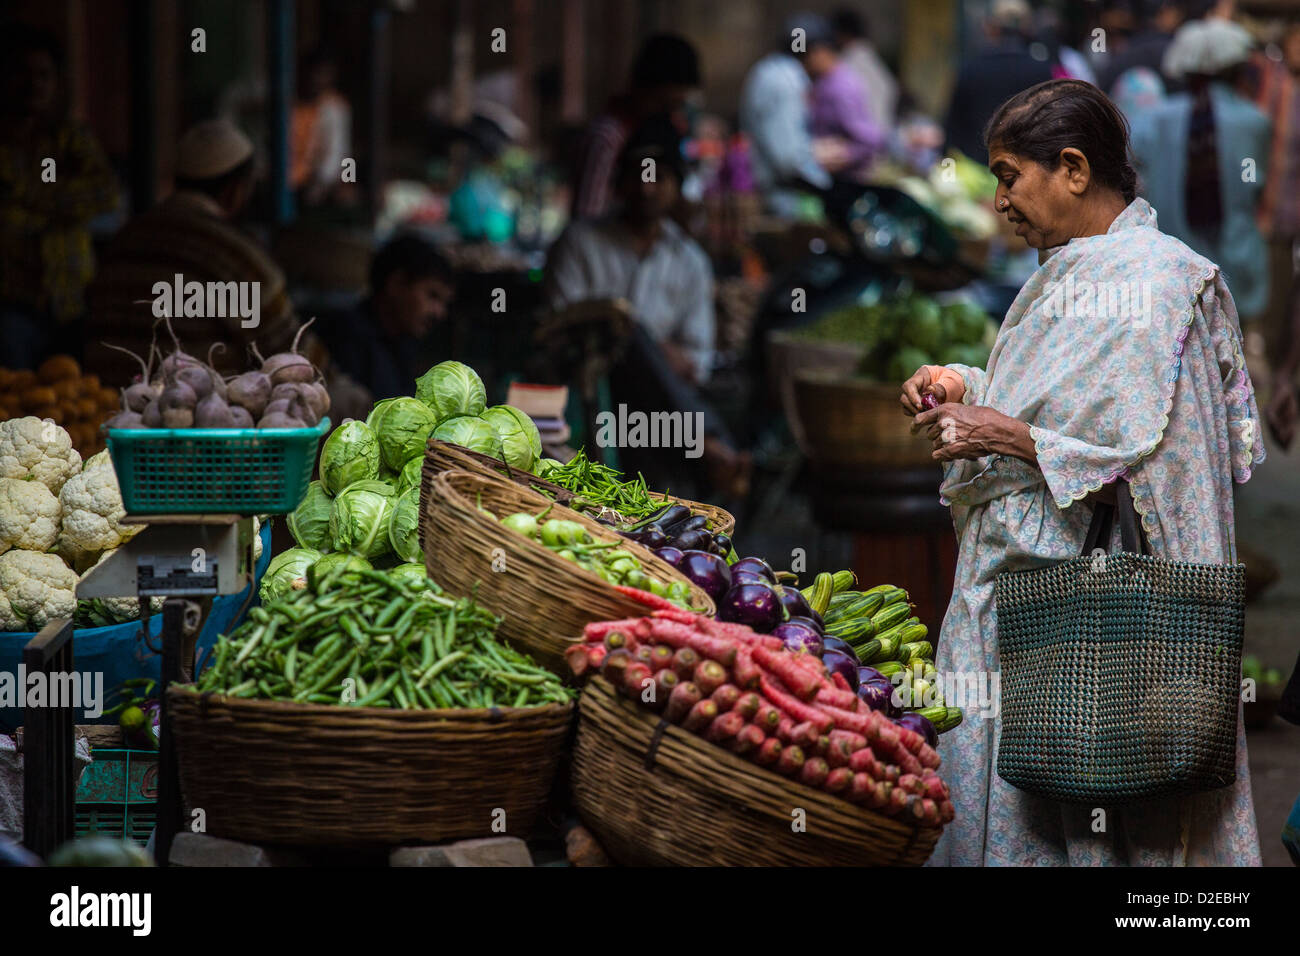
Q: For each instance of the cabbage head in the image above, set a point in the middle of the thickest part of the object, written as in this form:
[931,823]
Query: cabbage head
[359,519]
[411,474]
[402,427]
[404,526]
[286,572]
[521,443]
[330,562]
[450,389]
[309,523]
[472,432]
[414,574]
[350,454]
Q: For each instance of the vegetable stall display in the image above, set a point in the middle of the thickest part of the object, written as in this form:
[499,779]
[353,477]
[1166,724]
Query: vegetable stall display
[59,390]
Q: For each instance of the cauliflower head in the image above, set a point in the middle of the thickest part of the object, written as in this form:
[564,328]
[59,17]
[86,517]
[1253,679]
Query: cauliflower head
[39,587]
[9,621]
[38,449]
[93,512]
[29,515]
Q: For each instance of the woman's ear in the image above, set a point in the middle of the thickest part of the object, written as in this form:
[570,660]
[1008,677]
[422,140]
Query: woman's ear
[1078,173]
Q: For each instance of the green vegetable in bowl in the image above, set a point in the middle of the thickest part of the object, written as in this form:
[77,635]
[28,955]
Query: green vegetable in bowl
[404,526]
[309,523]
[521,443]
[287,572]
[350,454]
[471,432]
[402,426]
[451,389]
[359,519]
[522,522]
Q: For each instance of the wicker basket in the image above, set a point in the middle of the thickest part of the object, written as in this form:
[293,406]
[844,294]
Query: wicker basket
[691,803]
[445,456]
[306,774]
[848,422]
[541,597]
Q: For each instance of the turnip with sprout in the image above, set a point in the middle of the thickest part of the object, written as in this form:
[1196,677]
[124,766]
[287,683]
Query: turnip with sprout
[197,378]
[252,391]
[318,397]
[240,417]
[136,396]
[125,419]
[280,420]
[289,366]
[152,415]
[177,405]
[212,412]
[218,380]
[177,360]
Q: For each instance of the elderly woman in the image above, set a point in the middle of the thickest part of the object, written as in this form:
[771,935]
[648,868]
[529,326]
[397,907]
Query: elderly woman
[1120,358]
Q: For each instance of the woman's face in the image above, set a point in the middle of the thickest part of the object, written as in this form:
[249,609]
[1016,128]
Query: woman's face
[1042,203]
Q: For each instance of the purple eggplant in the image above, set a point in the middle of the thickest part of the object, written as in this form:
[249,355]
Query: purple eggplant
[878,695]
[651,537]
[748,577]
[708,571]
[755,605]
[672,555]
[835,644]
[795,604]
[866,673]
[837,662]
[757,566]
[914,721]
[723,541]
[698,540]
[799,637]
[812,622]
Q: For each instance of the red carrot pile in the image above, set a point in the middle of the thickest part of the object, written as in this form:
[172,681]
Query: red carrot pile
[746,692]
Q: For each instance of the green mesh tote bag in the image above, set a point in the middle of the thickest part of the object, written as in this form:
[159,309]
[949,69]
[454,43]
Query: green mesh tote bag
[1120,672]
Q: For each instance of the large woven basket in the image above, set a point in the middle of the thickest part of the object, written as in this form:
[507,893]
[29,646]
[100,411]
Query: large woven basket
[307,774]
[657,795]
[542,598]
[445,456]
[849,422]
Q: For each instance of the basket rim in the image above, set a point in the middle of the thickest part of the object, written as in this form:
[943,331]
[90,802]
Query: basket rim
[454,499]
[130,435]
[253,704]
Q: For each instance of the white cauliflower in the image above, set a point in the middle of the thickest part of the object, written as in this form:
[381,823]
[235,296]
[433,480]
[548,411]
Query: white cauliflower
[39,449]
[29,515]
[93,512]
[257,540]
[9,621]
[39,587]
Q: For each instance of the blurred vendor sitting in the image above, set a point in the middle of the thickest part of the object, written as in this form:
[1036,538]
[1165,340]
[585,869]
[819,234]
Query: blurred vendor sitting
[642,256]
[378,343]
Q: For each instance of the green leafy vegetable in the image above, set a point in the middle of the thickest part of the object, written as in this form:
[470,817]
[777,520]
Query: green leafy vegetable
[450,389]
[404,526]
[350,454]
[471,432]
[402,426]
[287,572]
[521,443]
[359,519]
[309,523]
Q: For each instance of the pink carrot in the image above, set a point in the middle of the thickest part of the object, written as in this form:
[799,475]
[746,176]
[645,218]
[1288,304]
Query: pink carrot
[666,681]
[747,673]
[722,650]
[724,727]
[862,789]
[646,598]
[792,760]
[684,662]
[635,677]
[928,756]
[748,740]
[785,728]
[683,697]
[793,706]
[710,675]
[864,761]
[781,664]
[576,657]
[946,811]
[596,630]
[701,716]
[935,788]
[838,780]
[768,718]
[770,752]
[725,697]
[911,783]
[674,613]
[930,813]
[834,697]
[747,705]
[841,683]
[845,720]
[814,772]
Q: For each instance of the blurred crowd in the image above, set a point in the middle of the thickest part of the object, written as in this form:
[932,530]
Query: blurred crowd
[661,196]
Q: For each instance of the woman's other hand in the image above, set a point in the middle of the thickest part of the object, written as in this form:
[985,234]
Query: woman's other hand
[1282,413]
[973,431]
[915,387]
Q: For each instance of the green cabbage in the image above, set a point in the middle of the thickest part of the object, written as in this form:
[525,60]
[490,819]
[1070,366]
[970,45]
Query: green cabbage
[331,561]
[413,573]
[450,389]
[404,526]
[350,454]
[411,474]
[309,523]
[287,572]
[471,432]
[359,519]
[521,443]
[402,427]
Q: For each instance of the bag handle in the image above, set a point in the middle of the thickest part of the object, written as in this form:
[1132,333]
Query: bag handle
[1133,538]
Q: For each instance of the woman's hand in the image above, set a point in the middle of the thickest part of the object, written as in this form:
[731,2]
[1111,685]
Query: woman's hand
[973,431]
[918,385]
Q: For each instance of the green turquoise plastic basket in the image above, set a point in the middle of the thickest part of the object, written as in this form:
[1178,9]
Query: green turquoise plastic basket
[214,470]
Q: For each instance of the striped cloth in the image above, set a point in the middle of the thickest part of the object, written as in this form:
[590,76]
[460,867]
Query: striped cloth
[185,234]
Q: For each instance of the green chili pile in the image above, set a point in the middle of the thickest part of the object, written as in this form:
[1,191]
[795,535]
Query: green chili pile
[601,488]
[371,639]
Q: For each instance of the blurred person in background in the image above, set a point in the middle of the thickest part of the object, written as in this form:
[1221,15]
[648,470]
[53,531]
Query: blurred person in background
[1146,47]
[664,76]
[992,76]
[378,343]
[640,255]
[774,115]
[846,137]
[1279,97]
[320,133]
[54,179]
[857,51]
[192,233]
[1189,150]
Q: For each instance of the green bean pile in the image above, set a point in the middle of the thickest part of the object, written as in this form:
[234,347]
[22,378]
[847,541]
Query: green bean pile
[601,487]
[367,639]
